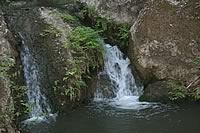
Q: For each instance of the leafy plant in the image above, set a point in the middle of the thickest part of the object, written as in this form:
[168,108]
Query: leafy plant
[115,32]
[178,92]
[87,55]
[195,94]
[124,32]
[16,105]
[18,88]
[84,36]
[22,107]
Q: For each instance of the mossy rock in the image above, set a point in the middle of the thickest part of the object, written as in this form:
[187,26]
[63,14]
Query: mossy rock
[164,91]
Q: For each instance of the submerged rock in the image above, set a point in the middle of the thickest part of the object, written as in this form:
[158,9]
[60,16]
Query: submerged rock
[165,43]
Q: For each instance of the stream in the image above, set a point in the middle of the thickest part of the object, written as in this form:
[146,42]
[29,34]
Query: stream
[116,107]
[99,117]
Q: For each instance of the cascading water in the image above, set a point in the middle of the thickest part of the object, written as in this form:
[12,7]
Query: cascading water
[36,100]
[123,87]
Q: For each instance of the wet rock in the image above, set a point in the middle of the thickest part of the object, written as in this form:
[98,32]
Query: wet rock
[165,41]
[105,86]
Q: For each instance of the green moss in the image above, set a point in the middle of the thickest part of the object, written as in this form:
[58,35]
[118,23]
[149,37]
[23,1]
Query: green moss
[50,31]
[68,17]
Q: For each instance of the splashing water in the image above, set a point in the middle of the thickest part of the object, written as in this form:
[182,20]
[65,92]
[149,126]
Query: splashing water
[122,85]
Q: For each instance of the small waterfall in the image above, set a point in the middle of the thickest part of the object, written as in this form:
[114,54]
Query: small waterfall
[36,100]
[122,85]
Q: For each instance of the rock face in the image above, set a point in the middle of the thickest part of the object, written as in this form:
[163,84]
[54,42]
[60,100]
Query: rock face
[118,10]
[165,42]
[7,59]
[45,33]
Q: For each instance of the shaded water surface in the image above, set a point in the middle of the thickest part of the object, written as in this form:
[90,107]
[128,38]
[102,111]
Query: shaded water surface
[102,118]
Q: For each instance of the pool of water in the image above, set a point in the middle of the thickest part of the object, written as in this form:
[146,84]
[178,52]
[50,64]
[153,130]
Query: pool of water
[100,117]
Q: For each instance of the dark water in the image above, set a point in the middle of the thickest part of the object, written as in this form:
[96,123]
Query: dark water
[101,118]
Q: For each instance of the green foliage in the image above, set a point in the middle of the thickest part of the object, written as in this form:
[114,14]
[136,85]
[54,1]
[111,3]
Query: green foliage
[178,92]
[87,54]
[6,63]
[7,112]
[74,81]
[10,114]
[117,33]
[68,18]
[21,106]
[86,45]
[84,37]
[195,94]
[18,89]
[101,25]
[124,32]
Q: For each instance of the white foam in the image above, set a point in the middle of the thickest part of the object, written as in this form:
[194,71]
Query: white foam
[124,87]
[40,119]
[117,68]
[130,102]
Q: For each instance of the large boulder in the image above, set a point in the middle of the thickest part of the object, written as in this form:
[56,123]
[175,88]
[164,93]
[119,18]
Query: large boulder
[165,42]
[118,10]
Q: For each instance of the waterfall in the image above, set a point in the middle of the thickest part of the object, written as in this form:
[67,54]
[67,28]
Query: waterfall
[36,99]
[122,86]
